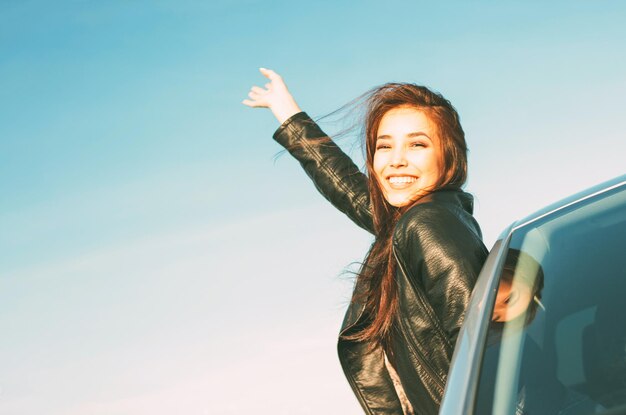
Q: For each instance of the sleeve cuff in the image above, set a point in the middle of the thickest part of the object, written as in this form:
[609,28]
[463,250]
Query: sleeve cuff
[294,124]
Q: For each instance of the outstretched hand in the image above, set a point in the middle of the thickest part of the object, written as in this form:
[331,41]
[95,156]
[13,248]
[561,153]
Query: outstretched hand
[274,96]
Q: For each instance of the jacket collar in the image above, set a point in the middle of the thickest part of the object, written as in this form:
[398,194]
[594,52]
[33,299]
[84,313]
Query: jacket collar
[449,195]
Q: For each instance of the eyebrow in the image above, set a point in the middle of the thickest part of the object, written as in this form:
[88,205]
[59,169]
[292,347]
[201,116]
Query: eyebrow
[409,135]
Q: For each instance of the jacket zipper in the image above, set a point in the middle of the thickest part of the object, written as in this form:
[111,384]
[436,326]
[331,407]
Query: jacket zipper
[425,364]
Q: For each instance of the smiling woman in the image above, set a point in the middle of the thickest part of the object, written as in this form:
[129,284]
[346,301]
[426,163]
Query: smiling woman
[406,160]
[411,293]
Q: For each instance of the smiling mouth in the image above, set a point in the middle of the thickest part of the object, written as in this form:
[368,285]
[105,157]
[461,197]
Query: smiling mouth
[401,179]
[400,182]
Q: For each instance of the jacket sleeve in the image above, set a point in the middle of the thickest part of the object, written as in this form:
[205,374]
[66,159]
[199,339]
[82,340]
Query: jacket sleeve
[443,257]
[334,174]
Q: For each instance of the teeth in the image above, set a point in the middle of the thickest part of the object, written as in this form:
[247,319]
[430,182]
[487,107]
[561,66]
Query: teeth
[403,179]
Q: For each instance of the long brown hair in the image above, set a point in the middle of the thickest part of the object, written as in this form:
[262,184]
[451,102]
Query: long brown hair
[381,297]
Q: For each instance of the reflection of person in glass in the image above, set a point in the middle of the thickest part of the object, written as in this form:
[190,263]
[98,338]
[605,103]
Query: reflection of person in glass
[520,288]
[411,294]
[535,388]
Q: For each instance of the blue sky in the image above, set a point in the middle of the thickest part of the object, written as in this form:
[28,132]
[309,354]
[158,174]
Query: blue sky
[155,258]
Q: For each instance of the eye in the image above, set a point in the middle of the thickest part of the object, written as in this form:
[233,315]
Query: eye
[382,146]
[417,144]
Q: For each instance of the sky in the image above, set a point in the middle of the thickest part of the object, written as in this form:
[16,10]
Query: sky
[159,254]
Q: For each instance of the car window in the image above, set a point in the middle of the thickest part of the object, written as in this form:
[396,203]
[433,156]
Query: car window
[556,343]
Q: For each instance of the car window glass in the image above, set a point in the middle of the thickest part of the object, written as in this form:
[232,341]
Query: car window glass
[557,337]
[568,336]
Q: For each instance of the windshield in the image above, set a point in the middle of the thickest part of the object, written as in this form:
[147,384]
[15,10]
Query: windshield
[557,338]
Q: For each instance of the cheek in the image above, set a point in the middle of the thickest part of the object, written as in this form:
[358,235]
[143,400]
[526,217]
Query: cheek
[428,163]
[378,163]
[434,162]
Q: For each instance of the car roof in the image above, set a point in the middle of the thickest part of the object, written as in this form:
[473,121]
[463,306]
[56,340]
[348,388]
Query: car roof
[614,183]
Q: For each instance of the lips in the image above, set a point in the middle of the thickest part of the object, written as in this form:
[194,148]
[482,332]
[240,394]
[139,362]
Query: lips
[401,182]
[401,179]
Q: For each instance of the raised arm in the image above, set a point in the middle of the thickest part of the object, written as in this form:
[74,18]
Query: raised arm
[334,174]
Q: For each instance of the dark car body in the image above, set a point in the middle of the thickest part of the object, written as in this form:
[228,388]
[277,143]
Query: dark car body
[545,331]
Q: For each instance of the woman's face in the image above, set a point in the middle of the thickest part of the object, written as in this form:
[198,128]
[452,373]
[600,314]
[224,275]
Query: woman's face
[407,156]
[512,299]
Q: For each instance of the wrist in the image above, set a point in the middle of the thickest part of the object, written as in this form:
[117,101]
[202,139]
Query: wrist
[283,114]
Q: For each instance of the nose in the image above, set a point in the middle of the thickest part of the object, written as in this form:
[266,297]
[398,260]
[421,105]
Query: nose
[398,158]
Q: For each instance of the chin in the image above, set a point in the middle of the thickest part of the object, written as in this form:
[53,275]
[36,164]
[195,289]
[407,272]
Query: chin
[401,201]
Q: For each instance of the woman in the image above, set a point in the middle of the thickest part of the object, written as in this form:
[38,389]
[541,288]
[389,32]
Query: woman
[410,296]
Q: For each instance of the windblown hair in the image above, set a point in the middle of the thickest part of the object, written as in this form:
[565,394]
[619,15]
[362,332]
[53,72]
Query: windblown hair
[381,298]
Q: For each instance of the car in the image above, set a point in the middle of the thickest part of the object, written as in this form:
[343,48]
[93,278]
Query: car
[545,330]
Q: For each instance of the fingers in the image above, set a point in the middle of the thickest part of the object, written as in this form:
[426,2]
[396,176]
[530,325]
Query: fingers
[270,74]
[253,95]
[257,93]
[255,102]
[251,103]
[257,98]
[258,90]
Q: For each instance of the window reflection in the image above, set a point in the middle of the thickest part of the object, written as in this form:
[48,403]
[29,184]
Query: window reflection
[519,291]
[556,342]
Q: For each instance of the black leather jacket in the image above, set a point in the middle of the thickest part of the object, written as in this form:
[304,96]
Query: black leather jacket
[439,252]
